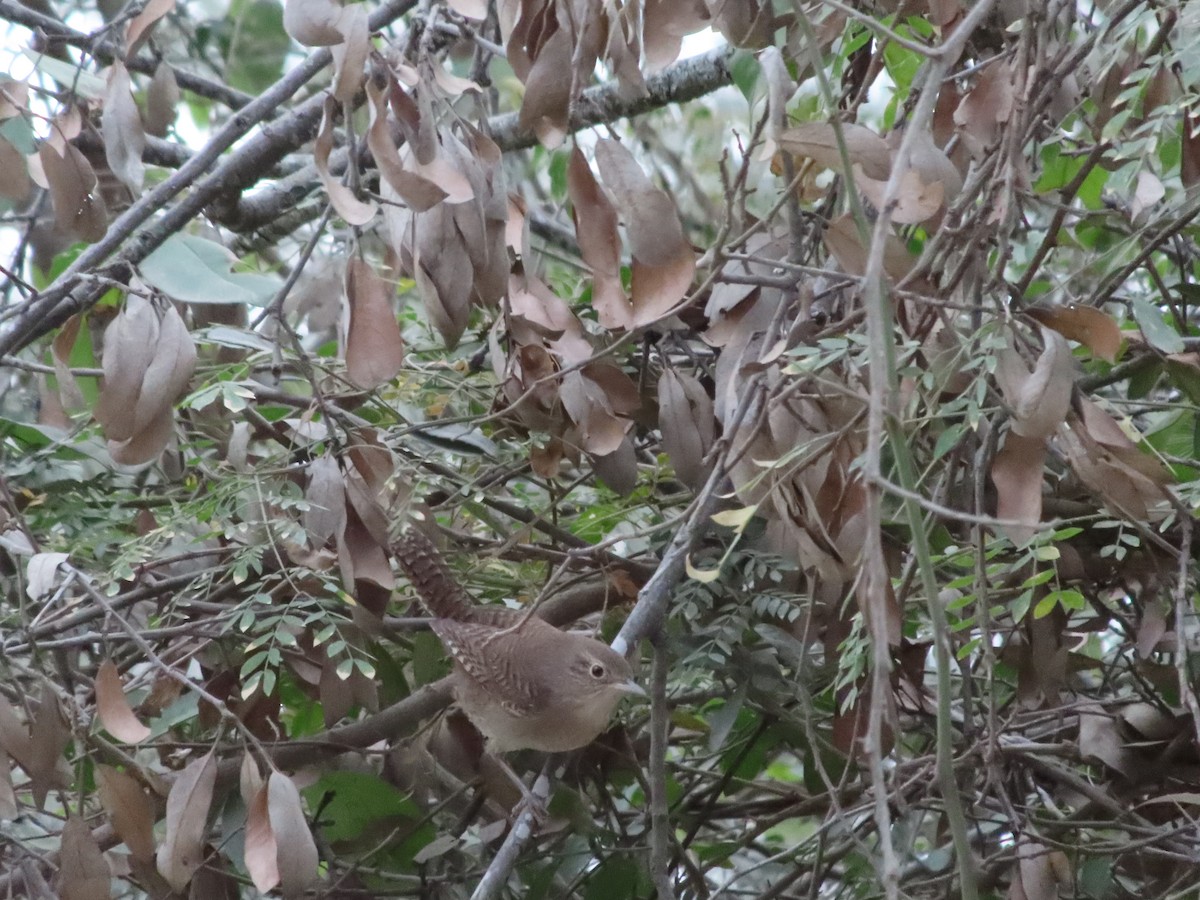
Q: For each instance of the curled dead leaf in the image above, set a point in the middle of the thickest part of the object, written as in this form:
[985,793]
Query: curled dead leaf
[113,709]
[140,26]
[374,350]
[313,23]
[599,242]
[326,499]
[297,852]
[348,206]
[1017,475]
[130,810]
[83,871]
[1093,328]
[79,209]
[818,141]
[121,127]
[182,850]
[1039,399]
[685,416]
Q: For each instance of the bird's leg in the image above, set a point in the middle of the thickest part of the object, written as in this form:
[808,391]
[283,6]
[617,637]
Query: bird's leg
[534,800]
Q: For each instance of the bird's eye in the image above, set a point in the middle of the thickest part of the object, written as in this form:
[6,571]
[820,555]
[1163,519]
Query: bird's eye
[597,670]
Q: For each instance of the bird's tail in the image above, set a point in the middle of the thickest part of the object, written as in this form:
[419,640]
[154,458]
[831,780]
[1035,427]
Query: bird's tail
[440,594]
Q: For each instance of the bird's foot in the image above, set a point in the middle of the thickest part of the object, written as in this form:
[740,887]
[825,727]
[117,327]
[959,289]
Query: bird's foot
[534,803]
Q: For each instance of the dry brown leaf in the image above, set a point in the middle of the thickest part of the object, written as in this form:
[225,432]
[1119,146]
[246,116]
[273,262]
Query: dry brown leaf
[534,304]
[326,499]
[444,273]
[130,810]
[15,183]
[261,854]
[137,411]
[349,207]
[916,200]
[841,237]
[1108,433]
[64,342]
[250,780]
[601,430]
[546,461]
[374,350]
[79,210]
[139,27]
[364,563]
[944,12]
[1017,474]
[818,141]
[651,220]
[932,164]
[368,509]
[417,192]
[986,107]
[113,709]
[1150,630]
[162,101]
[313,23]
[685,417]
[1039,399]
[8,796]
[599,243]
[297,852]
[83,872]
[1035,877]
[121,127]
[1100,739]
[182,850]
[49,737]
[14,736]
[1189,162]
[618,469]
[129,349]
[1123,488]
[655,291]
[544,109]
[1093,328]
[744,23]
[350,56]
[147,444]
[334,692]
[666,23]
[14,98]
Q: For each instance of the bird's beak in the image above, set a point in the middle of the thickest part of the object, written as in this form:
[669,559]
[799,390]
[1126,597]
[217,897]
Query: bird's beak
[633,688]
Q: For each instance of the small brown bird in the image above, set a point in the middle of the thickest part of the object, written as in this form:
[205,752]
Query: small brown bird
[523,683]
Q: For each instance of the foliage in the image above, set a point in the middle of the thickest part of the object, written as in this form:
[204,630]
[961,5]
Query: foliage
[847,373]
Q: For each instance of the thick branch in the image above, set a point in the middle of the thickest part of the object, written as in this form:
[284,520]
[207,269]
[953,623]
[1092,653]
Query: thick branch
[57,303]
[18,14]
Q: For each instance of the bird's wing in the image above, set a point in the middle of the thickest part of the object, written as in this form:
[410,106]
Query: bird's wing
[493,659]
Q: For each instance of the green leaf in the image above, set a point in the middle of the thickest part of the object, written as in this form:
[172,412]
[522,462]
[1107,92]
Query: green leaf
[1045,606]
[254,44]
[195,270]
[84,83]
[1150,319]
[18,132]
[745,69]
[355,801]
[617,876]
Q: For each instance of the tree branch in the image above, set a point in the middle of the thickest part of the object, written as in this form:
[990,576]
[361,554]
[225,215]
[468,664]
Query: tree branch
[58,302]
[18,14]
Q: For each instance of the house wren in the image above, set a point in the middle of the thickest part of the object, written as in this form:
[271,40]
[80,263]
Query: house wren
[522,682]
